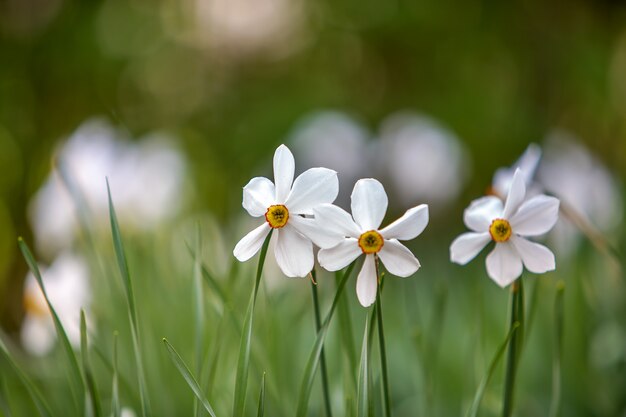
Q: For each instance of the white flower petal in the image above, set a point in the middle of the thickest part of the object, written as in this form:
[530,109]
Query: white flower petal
[481,212]
[367,283]
[504,264]
[535,216]
[516,194]
[311,230]
[334,219]
[258,195]
[537,258]
[313,187]
[467,246]
[250,244]
[527,163]
[398,259]
[369,203]
[38,335]
[294,252]
[409,226]
[284,167]
[339,256]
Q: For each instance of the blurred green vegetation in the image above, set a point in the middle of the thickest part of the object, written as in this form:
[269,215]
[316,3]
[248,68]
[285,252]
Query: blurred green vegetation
[499,74]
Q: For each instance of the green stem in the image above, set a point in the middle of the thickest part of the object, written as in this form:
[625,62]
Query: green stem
[241,381]
[556,350]
[318,326]
[516,316]
[381,343]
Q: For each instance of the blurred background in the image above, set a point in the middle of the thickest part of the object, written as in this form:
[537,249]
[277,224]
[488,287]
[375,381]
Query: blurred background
[180,102]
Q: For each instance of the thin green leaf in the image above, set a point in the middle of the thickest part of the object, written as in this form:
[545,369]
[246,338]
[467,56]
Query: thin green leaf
[318,325]
[77,383]
[209,278]
[473,410]
[555,403]
[130,301]
[198,301]
[189,378]
[516,316]
[92,388]
[381,344]
[314,357]
[38,399]
[261,410]
[243,363]
[364,408]
[116,408]
[5,410]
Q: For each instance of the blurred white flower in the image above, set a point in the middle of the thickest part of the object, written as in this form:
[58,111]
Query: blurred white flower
[284,204]
[583,183]
[423,160]
[334,140]
[146,178]
[67,285]
[527,163]
[127,412]
[508,226]
[360,234]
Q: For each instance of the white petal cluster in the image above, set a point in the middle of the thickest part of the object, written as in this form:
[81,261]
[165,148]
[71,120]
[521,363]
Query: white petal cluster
[527,217]
[312,219]
[293,241]
[369,205]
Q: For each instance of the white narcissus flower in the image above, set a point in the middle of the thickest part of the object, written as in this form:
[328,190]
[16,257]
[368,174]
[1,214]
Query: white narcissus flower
[360,234]
[508,226]
[67,285]
[284,205]
[527,163]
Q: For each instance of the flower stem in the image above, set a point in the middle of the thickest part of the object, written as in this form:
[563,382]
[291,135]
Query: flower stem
[516,316]
[318,326]
[243,363]
[381,343]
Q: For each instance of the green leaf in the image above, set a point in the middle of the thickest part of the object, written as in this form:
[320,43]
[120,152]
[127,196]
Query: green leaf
[473,410]
[130,301]
[116,408]
[515,346]
[189,378]
[364,408]
[261,410]
[92,388]
[33,391]
[314,357]
[557,348]
[243,363]
[198,301]
[77,383]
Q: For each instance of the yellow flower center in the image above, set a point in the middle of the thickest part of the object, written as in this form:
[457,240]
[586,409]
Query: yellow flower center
[500,230]
[277,216]
[33,306]
[371,242]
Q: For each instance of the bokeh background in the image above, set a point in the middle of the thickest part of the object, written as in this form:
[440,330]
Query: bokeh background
[180,102]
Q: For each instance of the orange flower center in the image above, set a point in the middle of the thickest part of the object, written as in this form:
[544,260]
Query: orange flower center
[500,230]
[277,216]
[371,242]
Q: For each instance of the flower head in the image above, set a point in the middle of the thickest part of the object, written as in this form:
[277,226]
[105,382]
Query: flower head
[508,226]
[359,234]
[283,205]
[527,163]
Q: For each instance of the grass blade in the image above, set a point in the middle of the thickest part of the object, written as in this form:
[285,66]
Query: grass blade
[243,363]
[92,389]
[556,350]
[186,373]
[116,408]
[364,408]
[318,325]
[314,357]
[130,300]
[33,391]
[515,345]
[261,410]
[198,302]
[76,381]
[381,344]
[473,410]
